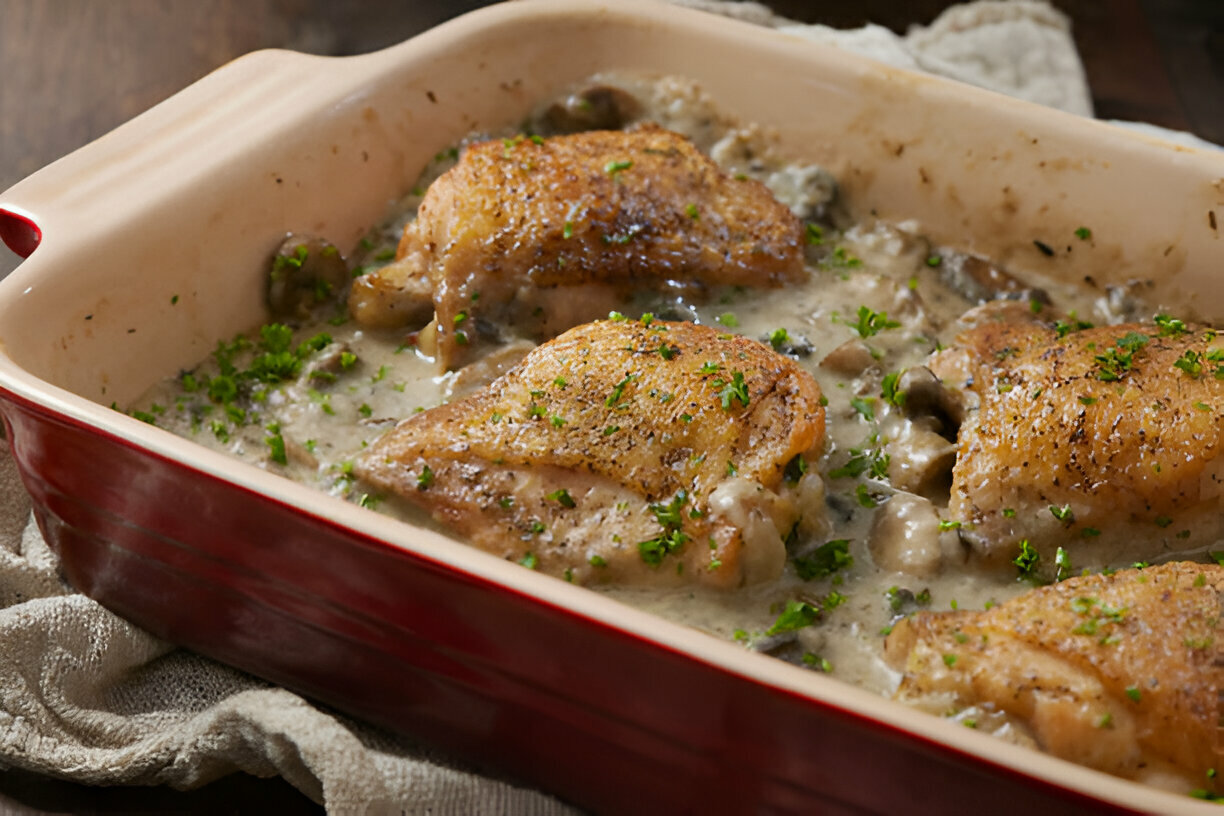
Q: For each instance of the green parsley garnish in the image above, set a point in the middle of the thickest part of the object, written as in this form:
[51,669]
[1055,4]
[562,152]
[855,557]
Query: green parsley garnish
[1062,565]
[672,538]
[871,323]
[888,389]
[618,391]
[1170,326]
[825,560]
[1191,363]
[796,615]
[779,338]
[426,479]
[562,497]
[737,389]
[1117,361]
[1027,560]
[863,406]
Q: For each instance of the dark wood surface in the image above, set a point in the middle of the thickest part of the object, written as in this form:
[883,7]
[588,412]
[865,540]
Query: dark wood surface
[70,70]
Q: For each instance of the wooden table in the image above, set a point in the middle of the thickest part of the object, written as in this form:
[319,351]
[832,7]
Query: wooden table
[71,70]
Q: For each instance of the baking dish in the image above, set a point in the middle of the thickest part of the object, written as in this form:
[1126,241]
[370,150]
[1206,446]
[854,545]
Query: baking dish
[151,245]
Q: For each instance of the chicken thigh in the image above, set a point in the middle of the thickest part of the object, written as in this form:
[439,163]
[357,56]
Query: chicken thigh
[629,452]
[533,236]
[1118,672]
[1105,441]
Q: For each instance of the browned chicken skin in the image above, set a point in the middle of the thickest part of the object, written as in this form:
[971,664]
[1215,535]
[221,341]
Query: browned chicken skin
[621,452]
[537,235]
[1118,672]
[1105,440]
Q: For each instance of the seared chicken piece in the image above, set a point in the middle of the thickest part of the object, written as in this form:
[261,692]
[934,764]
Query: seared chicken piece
[1118,672]
[628,452]
[1105,441]
[537,235]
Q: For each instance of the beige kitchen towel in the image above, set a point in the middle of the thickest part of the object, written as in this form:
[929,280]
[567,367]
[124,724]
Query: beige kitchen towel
[86,696]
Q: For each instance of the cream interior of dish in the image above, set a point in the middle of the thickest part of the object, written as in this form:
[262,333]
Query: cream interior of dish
[886,471]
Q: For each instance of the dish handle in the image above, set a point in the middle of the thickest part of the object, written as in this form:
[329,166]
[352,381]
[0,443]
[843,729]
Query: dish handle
[162,149]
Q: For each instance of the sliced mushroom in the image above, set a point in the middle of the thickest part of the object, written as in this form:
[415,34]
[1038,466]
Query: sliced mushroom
[905,536]
[305,272]
[401,294]
[920,462]
[1128,303]
[808,189]
[926,396]
[325,366]
[299,454]
[599,107]
[850,359]
[792,345]
[980,280]
[486,369]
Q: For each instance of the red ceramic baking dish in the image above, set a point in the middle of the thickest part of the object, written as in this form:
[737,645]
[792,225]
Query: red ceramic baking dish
[149,245]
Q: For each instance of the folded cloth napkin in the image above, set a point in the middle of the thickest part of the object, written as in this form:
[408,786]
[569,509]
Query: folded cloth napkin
[86,696]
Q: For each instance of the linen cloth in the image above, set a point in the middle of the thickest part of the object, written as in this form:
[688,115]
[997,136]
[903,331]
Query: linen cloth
[86,696]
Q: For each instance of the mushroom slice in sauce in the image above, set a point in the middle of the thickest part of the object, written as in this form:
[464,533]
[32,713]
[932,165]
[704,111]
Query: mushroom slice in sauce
[305,273]
[623,452]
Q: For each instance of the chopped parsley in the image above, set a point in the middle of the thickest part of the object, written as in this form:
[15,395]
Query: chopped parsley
[864,407]
[618,391]
[1191,363]
[825,560]
[737,389]
[796,615]
[1063,328]
[672,538]
[1117,361]
[426,478]
[1170,326]
[562,497]
[1027,560]
[871,323]
[1062,565]
[888,389]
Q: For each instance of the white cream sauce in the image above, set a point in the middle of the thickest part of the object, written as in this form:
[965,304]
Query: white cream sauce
[325,420]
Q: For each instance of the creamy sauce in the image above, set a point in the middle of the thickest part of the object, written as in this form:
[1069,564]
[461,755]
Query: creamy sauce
[878,302]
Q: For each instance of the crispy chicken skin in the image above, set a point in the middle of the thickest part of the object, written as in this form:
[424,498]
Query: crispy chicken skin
[621,452]
[538,235]
[1118,672]
[1105,440]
